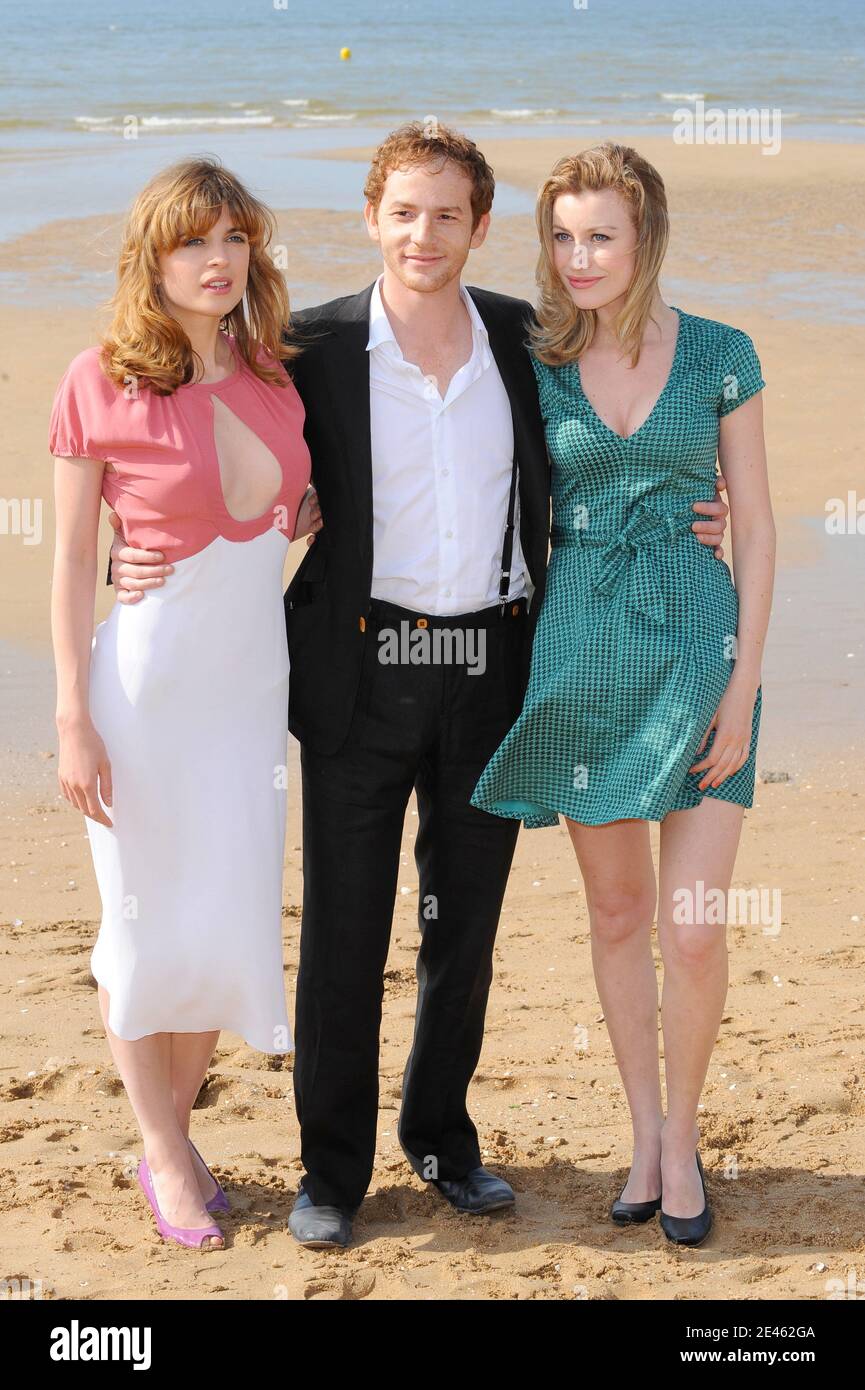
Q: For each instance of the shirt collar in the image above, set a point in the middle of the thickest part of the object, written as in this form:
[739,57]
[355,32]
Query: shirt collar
[380,330]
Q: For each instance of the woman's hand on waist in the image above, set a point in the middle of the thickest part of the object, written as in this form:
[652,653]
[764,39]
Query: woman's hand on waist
[309,520]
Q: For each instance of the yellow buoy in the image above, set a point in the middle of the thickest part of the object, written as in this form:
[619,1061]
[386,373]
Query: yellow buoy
[344,53]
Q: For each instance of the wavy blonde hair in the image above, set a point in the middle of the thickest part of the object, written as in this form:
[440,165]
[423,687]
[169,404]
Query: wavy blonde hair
[143,340]
[562,330]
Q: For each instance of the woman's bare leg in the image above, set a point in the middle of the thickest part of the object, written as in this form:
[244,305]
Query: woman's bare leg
[619,876]
[145,1070]
[191,1055]
[697,846]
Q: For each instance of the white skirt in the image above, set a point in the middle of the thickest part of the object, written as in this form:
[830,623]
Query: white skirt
[189,692]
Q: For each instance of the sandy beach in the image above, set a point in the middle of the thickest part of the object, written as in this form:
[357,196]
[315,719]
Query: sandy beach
[782,1118]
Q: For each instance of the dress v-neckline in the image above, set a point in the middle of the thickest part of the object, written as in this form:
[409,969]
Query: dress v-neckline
[626,438]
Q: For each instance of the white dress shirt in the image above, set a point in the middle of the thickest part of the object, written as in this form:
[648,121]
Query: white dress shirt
[441,475]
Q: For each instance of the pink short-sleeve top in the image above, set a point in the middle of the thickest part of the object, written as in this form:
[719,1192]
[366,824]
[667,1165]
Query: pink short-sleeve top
[167,488]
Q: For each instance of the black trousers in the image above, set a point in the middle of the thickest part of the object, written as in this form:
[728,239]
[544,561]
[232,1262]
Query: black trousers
[431,727]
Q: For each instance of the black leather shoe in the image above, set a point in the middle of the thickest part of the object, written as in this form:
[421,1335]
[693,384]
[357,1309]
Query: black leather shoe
[689,1230]
[633,1213]
[319,1228]
[478,1192]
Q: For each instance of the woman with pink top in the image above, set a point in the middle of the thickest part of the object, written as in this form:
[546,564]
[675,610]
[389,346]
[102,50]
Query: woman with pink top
[172,719]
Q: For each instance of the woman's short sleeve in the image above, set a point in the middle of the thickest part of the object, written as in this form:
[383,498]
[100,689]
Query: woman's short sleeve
[542,377]
[80,410]
[741,376]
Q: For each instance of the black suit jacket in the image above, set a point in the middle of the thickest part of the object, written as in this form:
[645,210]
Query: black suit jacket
[328,600]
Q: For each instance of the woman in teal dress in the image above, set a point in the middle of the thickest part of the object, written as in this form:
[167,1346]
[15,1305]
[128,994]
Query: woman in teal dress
[644,696]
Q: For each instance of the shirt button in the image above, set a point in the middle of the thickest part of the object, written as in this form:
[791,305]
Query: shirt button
[448,534]
[445,472]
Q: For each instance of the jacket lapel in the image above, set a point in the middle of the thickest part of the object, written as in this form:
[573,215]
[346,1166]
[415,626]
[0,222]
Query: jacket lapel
[347,366]
[512,364]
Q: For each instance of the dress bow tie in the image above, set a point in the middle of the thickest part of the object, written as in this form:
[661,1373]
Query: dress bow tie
[626,558]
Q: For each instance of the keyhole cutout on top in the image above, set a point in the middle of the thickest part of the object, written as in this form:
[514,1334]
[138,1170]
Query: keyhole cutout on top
[249,473]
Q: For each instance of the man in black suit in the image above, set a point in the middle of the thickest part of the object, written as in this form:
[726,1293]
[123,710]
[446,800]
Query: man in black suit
[409,624]
[370,730]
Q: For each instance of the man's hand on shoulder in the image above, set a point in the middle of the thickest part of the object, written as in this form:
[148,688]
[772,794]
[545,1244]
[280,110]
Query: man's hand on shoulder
[133,571]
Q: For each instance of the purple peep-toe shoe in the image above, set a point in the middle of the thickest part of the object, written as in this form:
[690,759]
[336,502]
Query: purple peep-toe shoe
[193,1237]
[219,1201]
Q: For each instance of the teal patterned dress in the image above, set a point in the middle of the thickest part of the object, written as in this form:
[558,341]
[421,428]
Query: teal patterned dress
[636,639]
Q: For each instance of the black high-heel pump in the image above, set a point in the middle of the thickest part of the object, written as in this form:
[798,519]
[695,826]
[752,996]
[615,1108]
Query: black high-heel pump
[689,1230]
[633,1213]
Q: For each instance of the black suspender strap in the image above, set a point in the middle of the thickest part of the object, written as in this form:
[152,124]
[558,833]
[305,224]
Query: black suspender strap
[507,549]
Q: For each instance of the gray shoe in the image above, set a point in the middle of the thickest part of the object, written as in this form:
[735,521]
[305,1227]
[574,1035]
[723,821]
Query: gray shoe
[319,1228]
